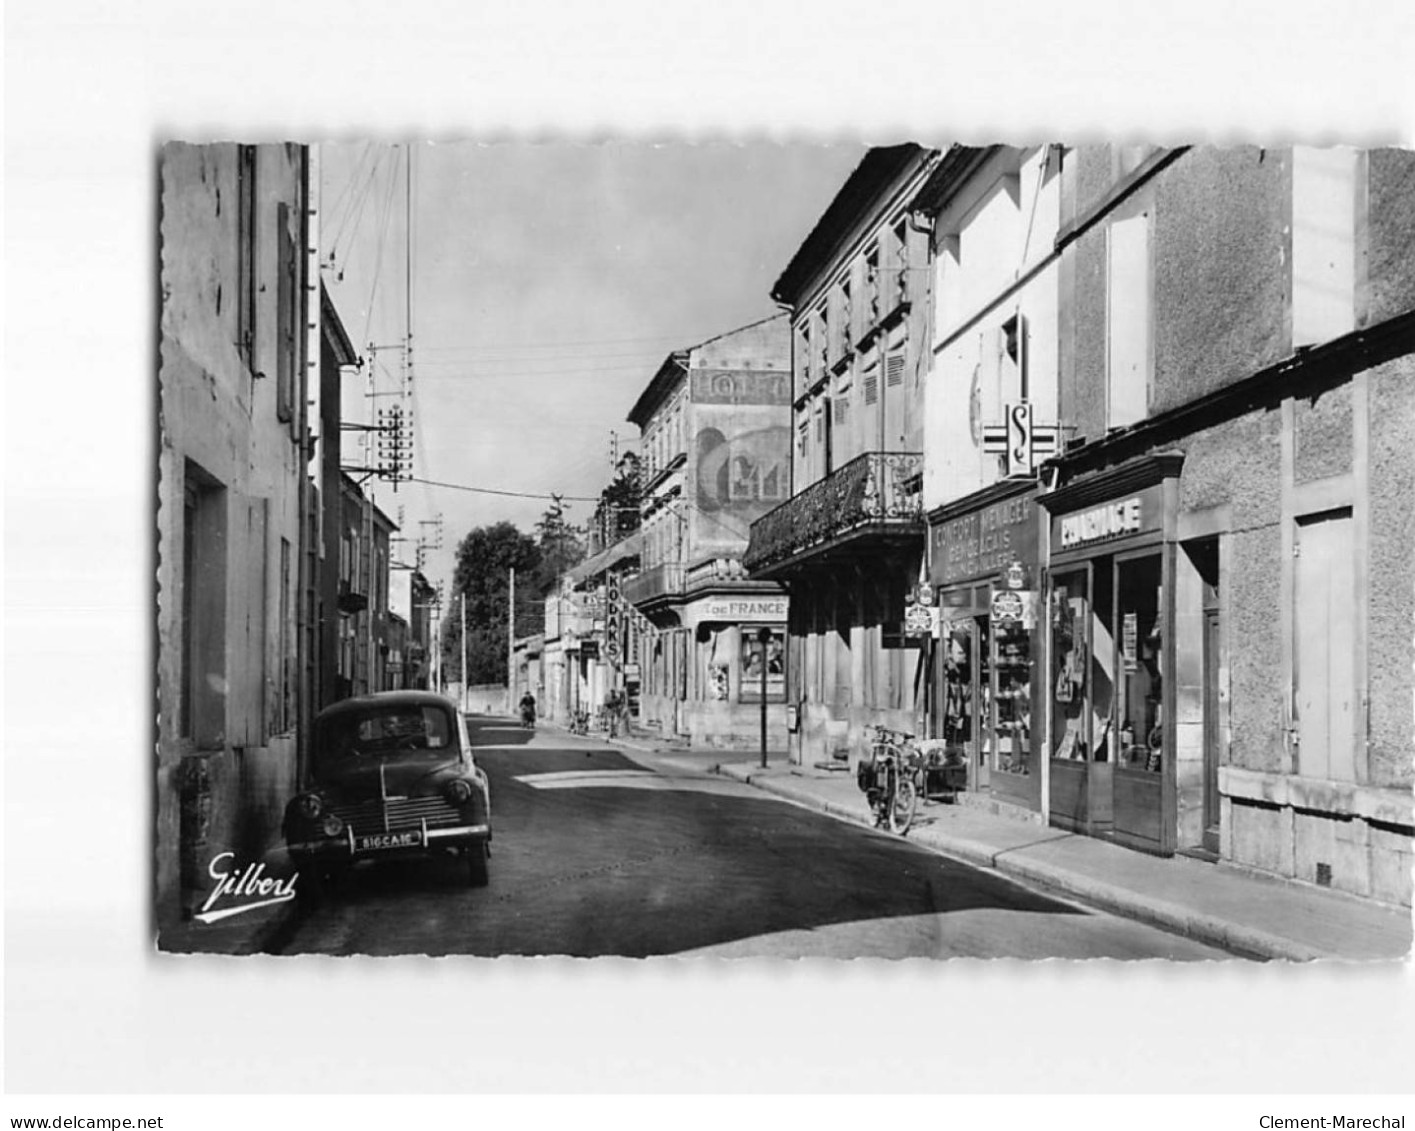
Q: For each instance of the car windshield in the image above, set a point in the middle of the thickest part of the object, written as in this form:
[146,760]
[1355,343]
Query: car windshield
[383,731]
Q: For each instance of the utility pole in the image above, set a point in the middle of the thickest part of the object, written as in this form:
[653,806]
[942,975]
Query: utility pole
[763,637]
[511,645]
[464,653]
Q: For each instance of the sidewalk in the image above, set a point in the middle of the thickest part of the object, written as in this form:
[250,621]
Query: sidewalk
[1218,904]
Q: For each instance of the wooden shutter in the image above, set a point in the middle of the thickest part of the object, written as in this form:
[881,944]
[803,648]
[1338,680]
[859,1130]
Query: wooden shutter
[894,370]
[285,320]
[871,386]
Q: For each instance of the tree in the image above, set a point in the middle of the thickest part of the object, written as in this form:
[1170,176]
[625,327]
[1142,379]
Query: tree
[485,559]
[617,513]
[562,546]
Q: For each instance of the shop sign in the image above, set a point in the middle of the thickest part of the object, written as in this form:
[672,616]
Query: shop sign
[737,609]
[1007,605]
[1123,518]
[1021,443]
[1015,576]
[919,620]
[984,542]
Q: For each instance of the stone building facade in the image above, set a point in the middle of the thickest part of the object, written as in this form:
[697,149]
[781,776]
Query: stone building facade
[848,544]
[1221,654]
[715,436]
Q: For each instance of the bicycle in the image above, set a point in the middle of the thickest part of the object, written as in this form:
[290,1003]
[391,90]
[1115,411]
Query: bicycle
[892,779]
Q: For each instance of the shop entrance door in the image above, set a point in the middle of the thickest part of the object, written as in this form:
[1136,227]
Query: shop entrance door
[1324,674]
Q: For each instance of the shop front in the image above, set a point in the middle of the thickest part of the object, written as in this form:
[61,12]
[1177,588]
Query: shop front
[1109,619]
[983,561]
[734,665]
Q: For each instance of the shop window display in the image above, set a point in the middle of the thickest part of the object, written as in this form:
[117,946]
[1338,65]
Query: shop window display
[1069,612]
[958,689]
[1083,667]
[1012,697]
[1138,625]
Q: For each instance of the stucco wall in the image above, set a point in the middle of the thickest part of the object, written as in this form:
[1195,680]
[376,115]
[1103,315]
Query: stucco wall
[1390,554]
[1391,232]
[1221,270]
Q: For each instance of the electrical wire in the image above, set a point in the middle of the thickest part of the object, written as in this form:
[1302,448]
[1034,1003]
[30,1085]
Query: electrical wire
[382,240]
[509,494]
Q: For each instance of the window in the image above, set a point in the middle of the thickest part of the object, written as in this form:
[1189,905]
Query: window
[821,364]
[246,258]
[284,717]
[869,379]
[288,320]
[1129,315]
[900,289]
[1013,358]
[1323,244]
[845,334]
[202,704]
[803,357]
[872,295]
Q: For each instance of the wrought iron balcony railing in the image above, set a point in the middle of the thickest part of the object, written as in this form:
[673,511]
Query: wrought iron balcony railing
[876,492]
[661,581]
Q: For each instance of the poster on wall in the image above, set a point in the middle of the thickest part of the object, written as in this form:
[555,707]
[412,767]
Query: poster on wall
[752,659]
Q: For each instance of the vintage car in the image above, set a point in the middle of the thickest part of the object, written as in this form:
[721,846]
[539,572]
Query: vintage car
[389,775]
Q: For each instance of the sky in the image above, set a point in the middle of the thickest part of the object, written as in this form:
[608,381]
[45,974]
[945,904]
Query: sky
[549,282]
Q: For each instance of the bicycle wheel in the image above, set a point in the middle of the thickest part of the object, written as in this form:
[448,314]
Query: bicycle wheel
[902,804]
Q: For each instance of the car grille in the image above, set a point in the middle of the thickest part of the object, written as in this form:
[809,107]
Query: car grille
[403,813]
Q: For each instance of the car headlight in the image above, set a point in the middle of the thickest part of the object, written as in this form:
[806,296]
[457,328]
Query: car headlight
[309,806]
[332,826]
[458,791]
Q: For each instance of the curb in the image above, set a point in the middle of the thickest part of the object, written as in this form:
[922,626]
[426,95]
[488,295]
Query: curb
[1180,920]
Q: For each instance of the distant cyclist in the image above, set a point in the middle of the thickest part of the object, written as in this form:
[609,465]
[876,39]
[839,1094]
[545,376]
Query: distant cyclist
[528,710]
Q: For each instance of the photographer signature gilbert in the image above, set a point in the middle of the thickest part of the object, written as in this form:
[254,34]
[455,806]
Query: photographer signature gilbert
[251,886]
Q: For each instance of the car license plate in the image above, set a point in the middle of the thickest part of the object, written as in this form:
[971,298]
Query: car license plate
[377,842]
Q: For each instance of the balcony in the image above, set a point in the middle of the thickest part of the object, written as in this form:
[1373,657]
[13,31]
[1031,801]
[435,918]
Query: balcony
[654,586]
[875,501]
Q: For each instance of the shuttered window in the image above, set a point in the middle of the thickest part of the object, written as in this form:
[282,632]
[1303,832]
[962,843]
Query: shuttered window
[894,370]
[287,298]
[246,259]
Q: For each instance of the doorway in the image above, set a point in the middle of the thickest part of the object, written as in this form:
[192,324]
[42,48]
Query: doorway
[1324,667]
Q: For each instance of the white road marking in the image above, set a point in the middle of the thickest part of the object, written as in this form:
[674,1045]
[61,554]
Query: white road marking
[639,779]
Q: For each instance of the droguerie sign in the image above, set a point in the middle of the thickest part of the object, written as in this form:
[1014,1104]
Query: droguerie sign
[986,541]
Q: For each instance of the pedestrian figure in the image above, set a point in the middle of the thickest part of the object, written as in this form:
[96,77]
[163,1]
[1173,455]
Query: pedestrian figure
[613,707]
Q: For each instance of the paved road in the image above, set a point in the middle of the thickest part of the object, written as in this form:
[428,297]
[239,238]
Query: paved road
[597,854]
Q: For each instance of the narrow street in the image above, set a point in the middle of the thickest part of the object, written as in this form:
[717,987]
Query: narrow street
[595,854]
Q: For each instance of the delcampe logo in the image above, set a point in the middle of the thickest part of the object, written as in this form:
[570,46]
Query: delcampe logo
[250,887]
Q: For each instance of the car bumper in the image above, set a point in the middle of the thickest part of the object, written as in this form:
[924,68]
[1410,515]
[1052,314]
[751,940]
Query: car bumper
[351,846]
